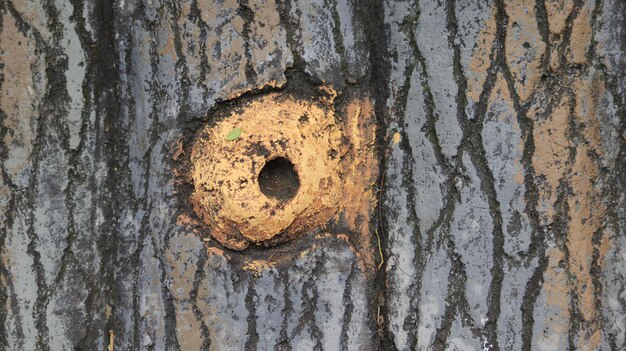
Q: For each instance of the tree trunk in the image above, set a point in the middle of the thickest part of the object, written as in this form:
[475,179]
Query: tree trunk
[491,216]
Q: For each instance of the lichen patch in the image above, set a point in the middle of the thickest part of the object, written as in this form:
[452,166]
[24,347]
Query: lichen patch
[551,155]
[558,12]
[481,55]
[581,36]
[19,92]
[524,46]
[257,267]
[586,213]
[554,301]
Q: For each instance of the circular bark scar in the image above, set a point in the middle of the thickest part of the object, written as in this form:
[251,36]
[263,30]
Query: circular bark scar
[268,171]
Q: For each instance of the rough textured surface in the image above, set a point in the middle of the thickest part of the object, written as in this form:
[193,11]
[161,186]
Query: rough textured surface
[227,193]
[493,196]
[323,148]
[513,242]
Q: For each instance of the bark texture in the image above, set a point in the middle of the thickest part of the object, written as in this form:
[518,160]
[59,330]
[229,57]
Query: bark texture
[500,202]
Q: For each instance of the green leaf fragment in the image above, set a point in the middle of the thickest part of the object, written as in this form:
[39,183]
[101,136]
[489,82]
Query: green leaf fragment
[234,134]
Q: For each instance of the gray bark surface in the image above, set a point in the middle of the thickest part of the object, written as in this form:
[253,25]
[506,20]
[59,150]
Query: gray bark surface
[501,193]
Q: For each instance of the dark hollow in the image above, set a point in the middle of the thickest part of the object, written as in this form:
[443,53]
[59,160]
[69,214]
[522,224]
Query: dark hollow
[279,179]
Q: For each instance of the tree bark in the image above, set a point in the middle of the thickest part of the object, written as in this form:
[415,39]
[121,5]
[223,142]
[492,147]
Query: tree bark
[497,220]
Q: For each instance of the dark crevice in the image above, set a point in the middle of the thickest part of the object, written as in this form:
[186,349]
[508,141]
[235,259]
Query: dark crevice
[156,90]
[541,16]
[171,339]
[7,288]
[283,341]
[291,23]
[473,144]
[349,307]
[376,85]
[338,36]
[613,178]
[204,68]
[537,246]
[247,15]
[408,184]
[199,275]
[106,108]
[136,263]
[50,108]
[252,341]
[95,314]
[78,175]
[448,167]
[442,223]
[310,300]
[456,289]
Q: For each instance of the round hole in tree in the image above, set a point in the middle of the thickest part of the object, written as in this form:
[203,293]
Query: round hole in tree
[279,179]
